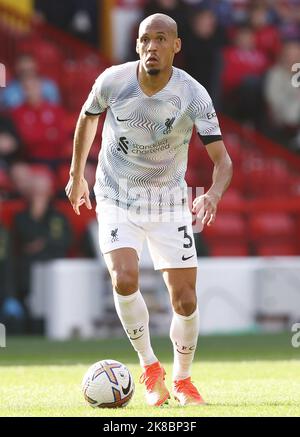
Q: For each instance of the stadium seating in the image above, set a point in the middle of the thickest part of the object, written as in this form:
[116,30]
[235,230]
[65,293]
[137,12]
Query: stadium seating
[273,234]
[265,176]
[277,249]
[78,223]
[247,220]
[79,76]
[228,235]
[230,249]
[8,210]
[232,201]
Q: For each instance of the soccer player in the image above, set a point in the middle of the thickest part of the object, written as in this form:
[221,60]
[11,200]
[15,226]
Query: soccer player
[151,110]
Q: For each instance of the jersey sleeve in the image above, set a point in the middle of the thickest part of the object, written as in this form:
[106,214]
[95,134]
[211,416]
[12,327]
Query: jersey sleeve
[206,120]
[97,101]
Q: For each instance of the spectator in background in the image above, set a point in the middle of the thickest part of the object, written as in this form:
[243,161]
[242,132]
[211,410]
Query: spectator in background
[21,178]
[9,144]
[26,67]
[40,125]
[287,18]
[267,36]
[6,265]
[240,11]
[203,51]
[223,10]
[242,77]
[41,233]
[283,98]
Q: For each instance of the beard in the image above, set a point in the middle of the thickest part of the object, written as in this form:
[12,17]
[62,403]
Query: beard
[153,71]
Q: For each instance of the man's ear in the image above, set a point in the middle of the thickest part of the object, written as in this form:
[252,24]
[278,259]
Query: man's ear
[137,48]
[177,45]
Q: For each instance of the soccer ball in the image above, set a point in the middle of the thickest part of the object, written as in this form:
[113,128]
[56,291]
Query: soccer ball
[108,384]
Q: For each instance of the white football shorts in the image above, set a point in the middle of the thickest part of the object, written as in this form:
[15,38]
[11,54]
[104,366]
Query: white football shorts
[169,235]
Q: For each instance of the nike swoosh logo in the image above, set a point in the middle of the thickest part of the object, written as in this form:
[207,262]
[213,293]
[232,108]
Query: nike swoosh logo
[136,337]
[125,390]
[185,258]
[123,119]
[184,353]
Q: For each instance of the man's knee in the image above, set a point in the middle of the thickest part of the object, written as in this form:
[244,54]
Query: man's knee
[184,302]
[125,281]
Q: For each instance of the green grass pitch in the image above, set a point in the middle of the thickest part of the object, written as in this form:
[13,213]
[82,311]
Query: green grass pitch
[247,375]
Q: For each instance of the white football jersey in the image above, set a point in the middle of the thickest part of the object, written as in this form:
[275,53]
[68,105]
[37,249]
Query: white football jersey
[145,140]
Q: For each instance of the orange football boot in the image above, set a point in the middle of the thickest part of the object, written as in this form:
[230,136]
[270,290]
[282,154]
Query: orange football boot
[154,378]
[186,393]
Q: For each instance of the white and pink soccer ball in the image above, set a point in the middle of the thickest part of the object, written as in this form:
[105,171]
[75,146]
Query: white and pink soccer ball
[108,384]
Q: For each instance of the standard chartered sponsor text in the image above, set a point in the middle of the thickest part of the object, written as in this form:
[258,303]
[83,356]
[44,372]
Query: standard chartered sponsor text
[150,148]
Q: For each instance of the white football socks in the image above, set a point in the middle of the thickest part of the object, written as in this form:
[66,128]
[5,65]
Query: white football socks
[184,335]
[134,316]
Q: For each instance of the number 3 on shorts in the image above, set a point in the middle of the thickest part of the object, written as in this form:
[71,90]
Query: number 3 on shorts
[186,235]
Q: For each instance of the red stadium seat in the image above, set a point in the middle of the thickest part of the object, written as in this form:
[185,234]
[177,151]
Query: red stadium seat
[232,201]
[267,226]
[70,122]
[273,234]
[66,150]
[229,249]
[254,166]
[280,249]
[227,236]
[78,222]
[298,232]
[62,177]
[265,176]
[228,226]
[8,210]
[233,146]
[278,179]
[75,73]
[294,184]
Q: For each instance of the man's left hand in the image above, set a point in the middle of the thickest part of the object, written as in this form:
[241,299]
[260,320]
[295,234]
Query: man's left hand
[206,206]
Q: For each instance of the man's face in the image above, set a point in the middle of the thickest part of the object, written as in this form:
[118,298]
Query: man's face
[26,66]
[156,46]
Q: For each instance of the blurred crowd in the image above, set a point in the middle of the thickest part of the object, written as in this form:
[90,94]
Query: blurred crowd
[243,51]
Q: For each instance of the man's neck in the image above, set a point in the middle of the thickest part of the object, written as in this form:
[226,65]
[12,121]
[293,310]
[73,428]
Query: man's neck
[151,84]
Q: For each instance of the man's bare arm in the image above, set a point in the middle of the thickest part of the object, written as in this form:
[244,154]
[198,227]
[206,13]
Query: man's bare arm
[84,136]
[223,169]
[222,174]
[77,188]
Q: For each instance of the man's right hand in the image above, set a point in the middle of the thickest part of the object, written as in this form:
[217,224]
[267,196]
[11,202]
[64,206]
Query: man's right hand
[77,191]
